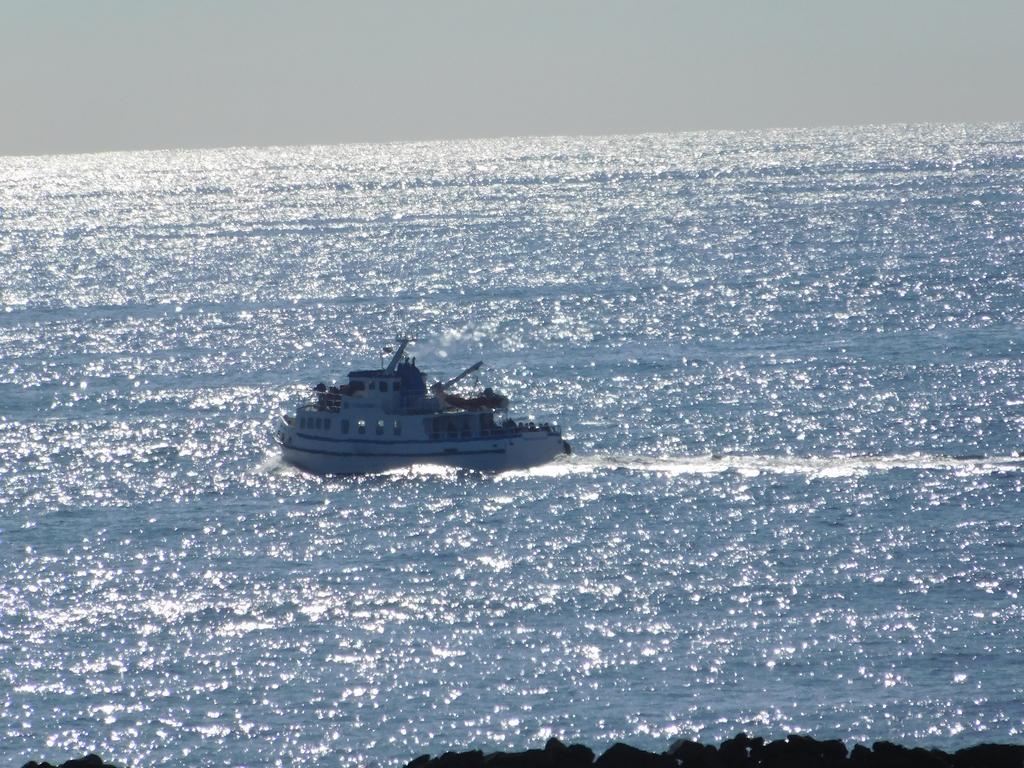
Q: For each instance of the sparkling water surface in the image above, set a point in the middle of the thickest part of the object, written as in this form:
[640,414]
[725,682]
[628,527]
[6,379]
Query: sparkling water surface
[790,364]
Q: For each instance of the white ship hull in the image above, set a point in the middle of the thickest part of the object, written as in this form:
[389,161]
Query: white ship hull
[345,457]
[386,419]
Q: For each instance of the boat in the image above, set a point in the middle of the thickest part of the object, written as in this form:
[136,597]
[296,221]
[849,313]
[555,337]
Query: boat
[387,418]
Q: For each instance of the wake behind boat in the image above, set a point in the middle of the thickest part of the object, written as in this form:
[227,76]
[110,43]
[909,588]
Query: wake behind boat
[386,419]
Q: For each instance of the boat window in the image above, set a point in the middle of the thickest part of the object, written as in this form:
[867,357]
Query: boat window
[344,426]
[361,424]
[327,423]
[383,386]
[398,427]
[398,385]
[318,423]
[373,385]
[380,427]
[302,422]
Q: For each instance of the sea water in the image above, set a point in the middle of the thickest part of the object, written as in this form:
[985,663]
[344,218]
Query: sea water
[789,363]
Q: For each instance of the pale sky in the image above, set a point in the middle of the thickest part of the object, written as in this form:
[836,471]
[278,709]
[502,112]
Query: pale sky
[89,75]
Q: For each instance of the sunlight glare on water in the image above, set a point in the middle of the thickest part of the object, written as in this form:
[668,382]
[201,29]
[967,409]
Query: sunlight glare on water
[789,363]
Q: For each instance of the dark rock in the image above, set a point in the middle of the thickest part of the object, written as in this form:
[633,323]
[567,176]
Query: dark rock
[624,756]
[554,755]
[735,752]
[740,751]
[573,756]
[989,756]
[578,755]
[935,758]
[756,747]
[691,754]
[531,758]
[931,758]
[833,750]
[797,751]
[785,753]
[680,749]
[861,757]
[885,754]
[472,759]
[89,761]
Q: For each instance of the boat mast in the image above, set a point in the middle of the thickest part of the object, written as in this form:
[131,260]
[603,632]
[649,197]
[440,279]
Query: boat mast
[402,344]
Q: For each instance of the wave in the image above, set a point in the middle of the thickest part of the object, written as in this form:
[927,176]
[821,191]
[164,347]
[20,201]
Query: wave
[274,465]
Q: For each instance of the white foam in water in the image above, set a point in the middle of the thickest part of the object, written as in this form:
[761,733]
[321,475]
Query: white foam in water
[272,464]
[831,466]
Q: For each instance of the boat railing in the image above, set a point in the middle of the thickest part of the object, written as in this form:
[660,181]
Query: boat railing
[505,429]
[529,426]
[324,401]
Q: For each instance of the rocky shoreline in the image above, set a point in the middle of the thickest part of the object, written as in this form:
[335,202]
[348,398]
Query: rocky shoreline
[741,751]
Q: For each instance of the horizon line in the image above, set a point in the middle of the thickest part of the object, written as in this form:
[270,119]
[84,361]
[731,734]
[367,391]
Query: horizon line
[507,137]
